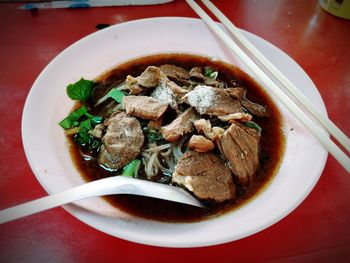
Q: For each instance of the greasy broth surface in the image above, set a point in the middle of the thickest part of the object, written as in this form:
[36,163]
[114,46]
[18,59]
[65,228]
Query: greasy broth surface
[271,143]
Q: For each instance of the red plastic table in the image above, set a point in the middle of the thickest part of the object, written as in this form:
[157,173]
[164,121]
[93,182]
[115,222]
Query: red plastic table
[317,231]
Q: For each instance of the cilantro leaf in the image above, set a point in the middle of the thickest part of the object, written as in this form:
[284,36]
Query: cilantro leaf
[80,90]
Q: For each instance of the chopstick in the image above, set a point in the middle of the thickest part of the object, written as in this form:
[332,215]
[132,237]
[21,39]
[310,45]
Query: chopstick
[272,87]
[270,69]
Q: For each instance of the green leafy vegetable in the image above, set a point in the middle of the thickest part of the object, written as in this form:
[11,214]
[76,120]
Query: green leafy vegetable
[96,120]
[116,94]
[81,119]
[72,119]
[210,73]
[153,135]
[80,90]
[84,139]
[130,168]
[254,125]
[87,142]
[85,126]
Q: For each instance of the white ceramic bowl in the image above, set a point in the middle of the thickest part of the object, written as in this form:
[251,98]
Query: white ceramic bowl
[47,151]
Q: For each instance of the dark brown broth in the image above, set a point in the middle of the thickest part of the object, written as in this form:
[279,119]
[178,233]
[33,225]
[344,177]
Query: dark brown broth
[272,143]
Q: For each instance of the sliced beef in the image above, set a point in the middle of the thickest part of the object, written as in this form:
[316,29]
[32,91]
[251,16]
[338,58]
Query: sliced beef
[236,93]
[255,108]
[212,101]
[150,77]
[132,85]
[177,90]
[174,73]
[144,107]
[164,94]
[122,142]
[206,175]
[196,73]
[180,126]
[240,147]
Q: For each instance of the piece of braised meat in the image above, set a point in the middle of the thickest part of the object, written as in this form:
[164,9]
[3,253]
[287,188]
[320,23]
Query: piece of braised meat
[144,107]
[212,101]
[236,93]
[150,77]
[174,73]
[255,108]
[122,142]
[164,94]
[206,175]
[200,144]
[196,73]
[177,90]
[181,125]
[240,147]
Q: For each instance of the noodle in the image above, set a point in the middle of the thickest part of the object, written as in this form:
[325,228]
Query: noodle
[137,168]
[149,169]
[167,153]
[158,148]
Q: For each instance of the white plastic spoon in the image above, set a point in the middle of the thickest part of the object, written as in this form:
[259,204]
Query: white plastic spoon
[107,186]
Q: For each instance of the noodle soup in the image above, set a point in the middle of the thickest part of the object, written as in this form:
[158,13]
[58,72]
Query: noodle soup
[177,119]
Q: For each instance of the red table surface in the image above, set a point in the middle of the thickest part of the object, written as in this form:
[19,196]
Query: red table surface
[318,230]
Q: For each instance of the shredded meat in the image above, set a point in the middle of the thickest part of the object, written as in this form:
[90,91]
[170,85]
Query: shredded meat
[240,147]
[144,107]
[205,175]
[122,142]
[180,126]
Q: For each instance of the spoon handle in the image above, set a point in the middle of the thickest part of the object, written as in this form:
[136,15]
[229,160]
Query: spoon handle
[106,186]
[96,188]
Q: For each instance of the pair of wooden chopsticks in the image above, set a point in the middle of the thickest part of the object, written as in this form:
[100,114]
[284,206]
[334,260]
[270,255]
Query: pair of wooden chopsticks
[273,79]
